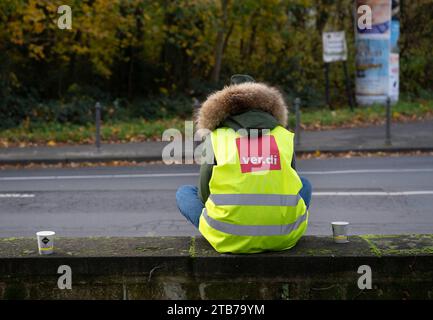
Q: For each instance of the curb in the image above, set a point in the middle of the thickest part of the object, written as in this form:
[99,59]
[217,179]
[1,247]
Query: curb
[98,157]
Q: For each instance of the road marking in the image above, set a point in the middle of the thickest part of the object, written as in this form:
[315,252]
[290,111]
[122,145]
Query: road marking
[105,176]
[367,171]
[16,195]
[194,174]
[316,194]
[374,193]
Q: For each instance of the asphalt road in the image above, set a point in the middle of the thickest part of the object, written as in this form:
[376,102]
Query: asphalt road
[376,195]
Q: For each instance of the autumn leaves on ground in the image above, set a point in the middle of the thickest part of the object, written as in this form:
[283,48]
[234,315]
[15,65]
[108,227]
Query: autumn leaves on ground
[138,130]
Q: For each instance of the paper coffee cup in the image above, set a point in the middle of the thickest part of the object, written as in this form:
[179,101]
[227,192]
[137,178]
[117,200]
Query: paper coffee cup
[340,230]
[45,241]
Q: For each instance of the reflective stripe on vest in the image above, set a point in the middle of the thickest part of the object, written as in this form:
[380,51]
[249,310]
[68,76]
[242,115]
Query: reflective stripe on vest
[253,230]
[255,200]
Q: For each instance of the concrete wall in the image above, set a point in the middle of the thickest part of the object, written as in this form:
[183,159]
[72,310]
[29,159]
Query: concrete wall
[188,268]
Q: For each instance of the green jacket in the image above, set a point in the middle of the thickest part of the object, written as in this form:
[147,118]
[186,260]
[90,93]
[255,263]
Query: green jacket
[252,119]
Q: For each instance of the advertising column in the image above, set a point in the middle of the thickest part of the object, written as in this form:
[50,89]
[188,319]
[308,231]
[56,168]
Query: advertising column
[373,48]
[394,64]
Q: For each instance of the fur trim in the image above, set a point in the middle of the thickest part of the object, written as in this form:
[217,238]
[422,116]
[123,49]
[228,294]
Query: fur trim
[238,98]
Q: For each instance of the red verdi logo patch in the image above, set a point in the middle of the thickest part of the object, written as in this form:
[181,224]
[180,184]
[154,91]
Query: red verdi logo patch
[258,153]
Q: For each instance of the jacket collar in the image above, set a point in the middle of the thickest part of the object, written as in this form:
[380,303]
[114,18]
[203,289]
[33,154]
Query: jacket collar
[239,98]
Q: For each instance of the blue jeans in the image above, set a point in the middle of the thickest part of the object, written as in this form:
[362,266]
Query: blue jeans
[190,205]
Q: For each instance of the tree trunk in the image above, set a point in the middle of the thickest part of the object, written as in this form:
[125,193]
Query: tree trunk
[219,47]
[226,40]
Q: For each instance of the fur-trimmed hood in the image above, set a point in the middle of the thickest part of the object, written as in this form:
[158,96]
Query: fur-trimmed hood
[239,98]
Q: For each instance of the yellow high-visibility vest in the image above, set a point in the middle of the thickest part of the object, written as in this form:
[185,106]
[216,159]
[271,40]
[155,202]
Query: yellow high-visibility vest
[254,203]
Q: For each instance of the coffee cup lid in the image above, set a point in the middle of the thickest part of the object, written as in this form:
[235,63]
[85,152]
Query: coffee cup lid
[45,233]
[340,223]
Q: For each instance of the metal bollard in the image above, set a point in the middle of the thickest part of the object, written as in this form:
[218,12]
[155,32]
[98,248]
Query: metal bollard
[388,121]
[196,106]
[98,125]
[298,122]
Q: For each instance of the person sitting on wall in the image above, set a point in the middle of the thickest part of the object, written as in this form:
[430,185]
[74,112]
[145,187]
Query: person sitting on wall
[250,197]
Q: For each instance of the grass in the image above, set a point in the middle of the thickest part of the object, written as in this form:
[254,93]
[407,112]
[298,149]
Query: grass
[52,134]
[362,116]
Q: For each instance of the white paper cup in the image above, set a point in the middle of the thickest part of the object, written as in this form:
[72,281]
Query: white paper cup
[45,241]
[340,230]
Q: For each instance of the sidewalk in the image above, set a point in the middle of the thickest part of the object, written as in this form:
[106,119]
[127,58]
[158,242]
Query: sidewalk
[405,137]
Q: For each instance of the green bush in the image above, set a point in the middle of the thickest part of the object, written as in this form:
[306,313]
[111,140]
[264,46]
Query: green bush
[161,107]
[151,58]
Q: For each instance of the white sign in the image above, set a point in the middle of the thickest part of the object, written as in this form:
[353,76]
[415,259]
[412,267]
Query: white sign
[334,46]
[394,77]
